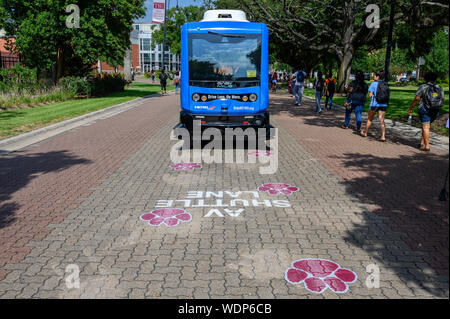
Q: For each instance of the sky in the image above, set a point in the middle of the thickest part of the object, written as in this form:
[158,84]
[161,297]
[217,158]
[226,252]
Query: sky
[173,3]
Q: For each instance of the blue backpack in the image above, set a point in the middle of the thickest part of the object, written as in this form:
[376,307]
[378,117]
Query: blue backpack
[300,76]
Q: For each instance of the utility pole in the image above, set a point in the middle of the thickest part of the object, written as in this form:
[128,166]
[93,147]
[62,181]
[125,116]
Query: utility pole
[389,43]
[164,36]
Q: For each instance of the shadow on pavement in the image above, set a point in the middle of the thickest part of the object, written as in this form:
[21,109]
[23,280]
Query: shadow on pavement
[334,118]
[17,171]
[405,193]
[407,230]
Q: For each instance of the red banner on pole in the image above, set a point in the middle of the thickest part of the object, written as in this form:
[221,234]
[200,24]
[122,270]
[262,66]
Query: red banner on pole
[158,11]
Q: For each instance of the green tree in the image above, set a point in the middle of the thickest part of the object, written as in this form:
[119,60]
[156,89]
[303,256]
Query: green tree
[437,59]
[44,40]
[337,29]
[175,19]
[372,60]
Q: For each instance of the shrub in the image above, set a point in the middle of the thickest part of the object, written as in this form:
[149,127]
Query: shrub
[77,85]
[19,78]
[107,83]
[443,82]
[97,85]
[16,100]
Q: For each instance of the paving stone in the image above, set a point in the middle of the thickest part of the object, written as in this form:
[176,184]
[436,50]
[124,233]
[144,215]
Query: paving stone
[359,204]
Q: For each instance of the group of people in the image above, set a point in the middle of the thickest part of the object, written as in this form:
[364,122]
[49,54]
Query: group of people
[163,77]
[321,87]
[277,76]
[429,96]
[324,86]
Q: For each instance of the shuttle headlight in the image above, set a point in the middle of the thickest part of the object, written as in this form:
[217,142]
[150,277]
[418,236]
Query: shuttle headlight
[245,98]
[253,97]
[196,97]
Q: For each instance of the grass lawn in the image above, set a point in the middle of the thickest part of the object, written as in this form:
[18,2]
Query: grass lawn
[401,98]
[15,122]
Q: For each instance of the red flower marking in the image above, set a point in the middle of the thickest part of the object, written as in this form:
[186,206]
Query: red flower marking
[317,267]
[319,274]
[185,166]
[260,153]
[169,216]
[278,188]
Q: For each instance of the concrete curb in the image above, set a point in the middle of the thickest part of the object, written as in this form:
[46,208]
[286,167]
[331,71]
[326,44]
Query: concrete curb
[21,141]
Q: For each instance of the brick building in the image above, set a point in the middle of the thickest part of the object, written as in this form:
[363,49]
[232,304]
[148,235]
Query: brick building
[7,58]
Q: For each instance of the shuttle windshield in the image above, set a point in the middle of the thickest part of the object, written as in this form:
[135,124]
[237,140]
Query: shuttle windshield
[224,60]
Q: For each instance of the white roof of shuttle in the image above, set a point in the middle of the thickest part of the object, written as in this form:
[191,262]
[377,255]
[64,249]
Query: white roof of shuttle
[225,15]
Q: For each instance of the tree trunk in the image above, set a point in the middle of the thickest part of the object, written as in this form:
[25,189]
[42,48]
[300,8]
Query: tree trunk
[127,65]
[344,70]
[60,65]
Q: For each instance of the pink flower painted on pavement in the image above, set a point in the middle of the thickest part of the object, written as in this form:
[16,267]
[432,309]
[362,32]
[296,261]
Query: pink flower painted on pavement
[260,153]
[278,188]
[186,166]
[320,274]
[170,217]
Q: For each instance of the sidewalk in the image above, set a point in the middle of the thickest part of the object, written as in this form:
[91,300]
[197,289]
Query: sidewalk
[77,199]
[399,129]
[401,183]
[24,140]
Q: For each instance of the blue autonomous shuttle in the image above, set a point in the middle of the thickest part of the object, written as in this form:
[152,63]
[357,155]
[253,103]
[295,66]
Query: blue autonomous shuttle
[225,72]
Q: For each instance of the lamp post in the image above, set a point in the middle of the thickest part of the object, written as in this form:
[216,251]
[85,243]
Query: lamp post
[389,44]
[164,36]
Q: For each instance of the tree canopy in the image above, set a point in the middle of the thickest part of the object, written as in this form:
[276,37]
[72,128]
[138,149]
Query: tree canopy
[175,19]
[305,30]
[437,59]
[44,41]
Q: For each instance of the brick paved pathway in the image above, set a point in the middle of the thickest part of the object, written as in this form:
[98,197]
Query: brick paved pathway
[76,199]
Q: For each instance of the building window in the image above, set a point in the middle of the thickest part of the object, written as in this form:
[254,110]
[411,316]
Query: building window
[136,27]
[146,58]
[145,44]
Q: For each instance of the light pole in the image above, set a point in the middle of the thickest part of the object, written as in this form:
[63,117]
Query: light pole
[164,36]
[389,43]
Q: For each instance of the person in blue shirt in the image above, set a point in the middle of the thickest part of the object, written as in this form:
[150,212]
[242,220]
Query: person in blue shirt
[299,86]
[376,107]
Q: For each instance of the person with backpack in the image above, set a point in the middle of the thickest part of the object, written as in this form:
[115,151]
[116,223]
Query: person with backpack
[432,99]
[330,86]
[163,81]
[299,86]
[318,89]
[357,93]
[177,82]
[379,94]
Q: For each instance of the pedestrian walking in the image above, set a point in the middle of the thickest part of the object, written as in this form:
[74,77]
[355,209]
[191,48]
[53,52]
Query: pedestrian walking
[177,82]
[153,76]
[274,82]
[318,91]
[357,94]
[299,86]
[163,81]
[379,93]
[330,87]
[430,97]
